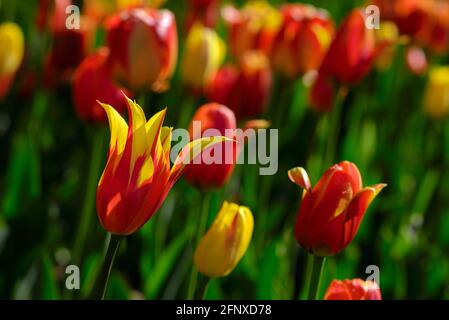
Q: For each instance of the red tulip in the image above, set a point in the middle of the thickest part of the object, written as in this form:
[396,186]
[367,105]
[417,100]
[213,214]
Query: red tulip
[202,11]
[214,175]
[355,289]
[251,28]
[144,47]
[331,211]
[92,83]
[245,89]
[302,40]
[349,58]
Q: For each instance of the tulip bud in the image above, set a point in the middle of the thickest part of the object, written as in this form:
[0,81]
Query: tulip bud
[204,52]
[246,90]
[355,289]
[12,46]
[387,34]
[92,83]
[251,28]
[349,59]
[214,117]
[225,243]
[144,48]
[138,175]
[436,97]
[302,40]
[331,211]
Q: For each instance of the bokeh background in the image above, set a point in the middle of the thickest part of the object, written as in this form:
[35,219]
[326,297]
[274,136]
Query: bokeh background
[45,171]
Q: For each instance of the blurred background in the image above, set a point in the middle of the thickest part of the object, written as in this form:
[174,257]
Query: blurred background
[389,126]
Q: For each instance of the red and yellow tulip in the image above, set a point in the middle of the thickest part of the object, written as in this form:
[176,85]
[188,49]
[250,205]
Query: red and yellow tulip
[225,243]
[138,174]
[144,48]
[331,211]
[355,289]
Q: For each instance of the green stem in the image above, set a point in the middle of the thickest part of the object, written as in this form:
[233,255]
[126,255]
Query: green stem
[308,276]
[315,277]
[101,283]
[202,288]
[201,227]
[87,213]
[334,121]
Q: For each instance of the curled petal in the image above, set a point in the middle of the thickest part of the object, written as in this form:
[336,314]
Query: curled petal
[300,177]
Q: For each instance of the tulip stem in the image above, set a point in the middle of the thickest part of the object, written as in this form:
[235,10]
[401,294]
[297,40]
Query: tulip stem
[87,213]
[334,124]
[202,288]
[201,227]
[101,284]
[315,278]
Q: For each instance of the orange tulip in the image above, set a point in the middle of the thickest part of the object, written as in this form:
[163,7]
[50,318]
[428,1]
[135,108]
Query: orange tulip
[331,211]
[138,176]
[92,83]
[245,89]
[220,118]
[144,48]
[302,40]
[355,289]
[349,58]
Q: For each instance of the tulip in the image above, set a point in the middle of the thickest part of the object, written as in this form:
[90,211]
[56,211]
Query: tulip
[348,60]
[251,28]
[144,47]
[436,97]
[215,175]
[204,52]
[225,243]
[388,34]
[355,289]
[11,54]
[92,83]
[99,9]
[245,89]
[331,211]
[302,40]
[137,176]
[204,12]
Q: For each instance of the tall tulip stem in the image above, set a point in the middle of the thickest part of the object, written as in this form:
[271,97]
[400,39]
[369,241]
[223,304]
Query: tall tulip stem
[333,132]
[87,213]
[315,277]
[203,283]
[101,284]
[201,227]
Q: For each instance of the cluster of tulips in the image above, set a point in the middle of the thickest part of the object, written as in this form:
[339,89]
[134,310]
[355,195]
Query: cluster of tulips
[265,44]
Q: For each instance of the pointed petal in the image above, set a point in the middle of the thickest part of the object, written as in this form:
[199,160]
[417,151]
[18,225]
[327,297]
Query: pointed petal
[362,200]
[153,128]
[300,177]
[118,127]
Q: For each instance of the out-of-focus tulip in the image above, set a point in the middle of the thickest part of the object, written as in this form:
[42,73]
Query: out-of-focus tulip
[99,9]
[92,83]
[331,211]
[388,34]
[349,58]
[416,60]
[245,89]
[144,48]
[355,289]
[436,98]
[225,243]
[12,46]
[138,176]
[302,40]
[204,12]
[251,28]
[214,117]
[204,52]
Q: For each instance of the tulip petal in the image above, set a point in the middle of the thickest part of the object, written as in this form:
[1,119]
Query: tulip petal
[118,127]
[362,200]
[153,128]
[300,177]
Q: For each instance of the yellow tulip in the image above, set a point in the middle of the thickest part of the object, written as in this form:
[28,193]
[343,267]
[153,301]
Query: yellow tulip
[436,98]
[387,36]
[12,47]
[225,242]
[203,55]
